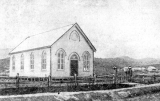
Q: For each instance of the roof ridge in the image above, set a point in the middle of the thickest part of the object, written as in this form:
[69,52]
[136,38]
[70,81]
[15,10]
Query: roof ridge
[39,34]
[19,44]
[49,30]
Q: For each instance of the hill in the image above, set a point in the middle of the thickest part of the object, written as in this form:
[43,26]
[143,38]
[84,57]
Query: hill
[104,66]
[4,53]
[4,64]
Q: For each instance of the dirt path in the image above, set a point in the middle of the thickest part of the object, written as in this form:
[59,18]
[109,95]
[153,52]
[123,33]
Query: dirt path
[101,95]
[148,97]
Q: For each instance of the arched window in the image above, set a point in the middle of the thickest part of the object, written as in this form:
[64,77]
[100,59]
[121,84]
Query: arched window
[32,61]
[61,59]
[44,60]
[22,62]
[74,36]
[86,61]
[13,63]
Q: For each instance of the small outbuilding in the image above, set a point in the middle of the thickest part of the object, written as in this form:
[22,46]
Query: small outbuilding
[151,68]
[138,68]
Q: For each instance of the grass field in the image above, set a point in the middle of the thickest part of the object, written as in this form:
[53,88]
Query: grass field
[140,93]
[33,90]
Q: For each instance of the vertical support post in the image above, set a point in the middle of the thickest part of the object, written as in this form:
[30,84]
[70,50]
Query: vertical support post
[115,76]
[49,79]
[143,79]
[121,79]
[75,79]
[129,73]
[67,86]
[50,61]
[90,80]
[94,79]
[17,81]
[154,78]
[5,86]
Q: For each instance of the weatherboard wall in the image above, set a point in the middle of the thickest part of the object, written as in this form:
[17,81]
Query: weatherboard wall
[70,46]
[37,71]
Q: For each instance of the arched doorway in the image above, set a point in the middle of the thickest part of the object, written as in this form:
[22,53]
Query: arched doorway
[74,65]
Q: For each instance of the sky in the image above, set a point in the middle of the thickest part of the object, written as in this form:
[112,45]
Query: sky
[115,27]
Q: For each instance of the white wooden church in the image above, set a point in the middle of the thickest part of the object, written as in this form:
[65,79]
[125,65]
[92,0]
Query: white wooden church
[63,52]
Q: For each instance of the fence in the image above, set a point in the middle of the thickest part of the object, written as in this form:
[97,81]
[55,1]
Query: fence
[19,81]
[52,82]
[146,79]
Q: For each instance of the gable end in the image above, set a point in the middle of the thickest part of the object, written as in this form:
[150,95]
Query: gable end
[85,37]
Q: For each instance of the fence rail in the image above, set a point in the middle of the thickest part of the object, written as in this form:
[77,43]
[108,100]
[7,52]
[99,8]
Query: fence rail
[146,79]
[66,83]
[61,83]
[63,80]
[54,81]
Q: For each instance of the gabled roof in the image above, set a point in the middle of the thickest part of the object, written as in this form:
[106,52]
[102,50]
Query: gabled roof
[85,37]
[46,39]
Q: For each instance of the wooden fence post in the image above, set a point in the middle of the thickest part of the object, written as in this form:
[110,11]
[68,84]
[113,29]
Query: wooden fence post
[49,79]
[113,79]
[125,79]
[17,81]
[94,79]
[75,80]
[90,80]
[154,78]
[143,79]
[120,79]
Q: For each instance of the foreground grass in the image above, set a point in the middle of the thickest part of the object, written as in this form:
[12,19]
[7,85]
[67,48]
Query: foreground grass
[53,89]
[147,97]
[40,98]
[140,93]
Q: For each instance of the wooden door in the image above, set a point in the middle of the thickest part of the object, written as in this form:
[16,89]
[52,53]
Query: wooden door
[74,67]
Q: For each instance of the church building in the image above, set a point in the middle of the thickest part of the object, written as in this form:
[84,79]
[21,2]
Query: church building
[61,52]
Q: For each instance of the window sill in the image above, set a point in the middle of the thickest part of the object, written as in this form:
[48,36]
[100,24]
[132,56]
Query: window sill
[60,69]
[86,71]
[22,70]
[44,70]
[32,70]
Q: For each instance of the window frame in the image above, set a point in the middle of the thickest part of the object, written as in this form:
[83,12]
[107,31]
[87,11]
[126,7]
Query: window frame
[44,61]
[13,63]
[86,62]
[32,61]
[71,37]
[60,60]
[22,61]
